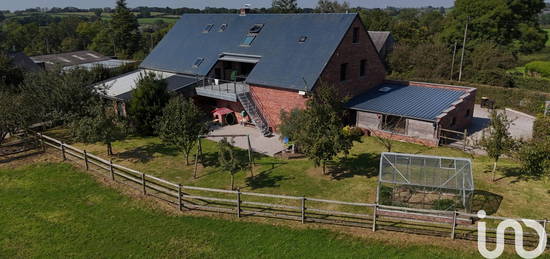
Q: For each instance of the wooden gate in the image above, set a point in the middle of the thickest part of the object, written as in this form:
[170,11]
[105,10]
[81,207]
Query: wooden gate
[453,138]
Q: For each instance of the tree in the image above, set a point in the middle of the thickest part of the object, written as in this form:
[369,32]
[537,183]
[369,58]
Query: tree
[181,124]
[284,6]
[327,6]
[500,21]
[10,75]
[16,113]
[499,140]
[100,125]
[376,19]
[228,159]
[535,154]
[147,102]
[320,133]
[125,28]
[488,63]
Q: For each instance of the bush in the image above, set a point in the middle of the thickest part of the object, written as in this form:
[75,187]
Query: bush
[541,127]
[531,83]
[541,68]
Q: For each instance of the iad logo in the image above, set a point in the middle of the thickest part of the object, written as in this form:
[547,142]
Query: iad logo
[518,231]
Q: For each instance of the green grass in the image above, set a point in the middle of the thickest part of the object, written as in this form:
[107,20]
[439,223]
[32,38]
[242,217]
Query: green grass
[53,210]
[548,42]
[353,180]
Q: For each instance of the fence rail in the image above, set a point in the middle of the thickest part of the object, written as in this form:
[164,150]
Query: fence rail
[453,224]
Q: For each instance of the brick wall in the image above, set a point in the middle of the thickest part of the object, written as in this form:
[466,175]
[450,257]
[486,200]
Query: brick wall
[271,101]
[352,54]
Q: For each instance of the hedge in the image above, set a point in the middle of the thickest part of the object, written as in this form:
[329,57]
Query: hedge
[539,67]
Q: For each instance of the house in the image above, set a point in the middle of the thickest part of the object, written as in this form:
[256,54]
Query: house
[86,59]
[265,63]
[414,112]
[384,41]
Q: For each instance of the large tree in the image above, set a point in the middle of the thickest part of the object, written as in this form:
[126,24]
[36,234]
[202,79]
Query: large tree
[284,6]
[125,29]
[147,102]
[512,23]
[16,113]
[328,6]
[181,124]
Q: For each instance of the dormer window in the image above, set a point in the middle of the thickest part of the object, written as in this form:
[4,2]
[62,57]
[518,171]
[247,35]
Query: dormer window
[256,28]
[207,28]
[223,27]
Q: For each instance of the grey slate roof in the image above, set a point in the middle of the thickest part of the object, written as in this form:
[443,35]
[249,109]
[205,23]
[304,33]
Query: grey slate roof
[284,61]
[417,102]
[379,38]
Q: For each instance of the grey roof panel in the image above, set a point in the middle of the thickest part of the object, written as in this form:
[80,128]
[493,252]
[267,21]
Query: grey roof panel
[379,38]
[418,102]
[284,62]
[70,58]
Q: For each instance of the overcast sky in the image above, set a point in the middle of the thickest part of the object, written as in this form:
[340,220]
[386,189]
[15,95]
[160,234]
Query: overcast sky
[24,4]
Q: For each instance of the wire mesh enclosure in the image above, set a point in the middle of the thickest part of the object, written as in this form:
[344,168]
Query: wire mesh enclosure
[429,182]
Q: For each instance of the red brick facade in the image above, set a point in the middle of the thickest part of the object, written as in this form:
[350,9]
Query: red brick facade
[272,100]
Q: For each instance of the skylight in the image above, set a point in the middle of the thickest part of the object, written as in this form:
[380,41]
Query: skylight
[256,28]
[198,62]
[207,28]
[223,27]
[248,40]
[302,39]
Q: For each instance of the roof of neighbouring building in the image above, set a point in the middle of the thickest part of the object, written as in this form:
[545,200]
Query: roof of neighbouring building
[282,61]
[70,58]
[22,61]
[379,38]
[121,87]
[410,101]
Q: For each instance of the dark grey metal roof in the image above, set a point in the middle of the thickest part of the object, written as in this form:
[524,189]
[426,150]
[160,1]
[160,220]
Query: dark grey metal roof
[417,102]
[22,61]
[70,58]
[174,83]
[379,38]
[284,61]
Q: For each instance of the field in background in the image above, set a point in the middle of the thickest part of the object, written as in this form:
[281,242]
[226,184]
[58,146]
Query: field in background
[107,16]
[353,179]
[53,210]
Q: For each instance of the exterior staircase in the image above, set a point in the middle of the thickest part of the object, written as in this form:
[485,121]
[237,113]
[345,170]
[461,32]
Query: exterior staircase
[255,115]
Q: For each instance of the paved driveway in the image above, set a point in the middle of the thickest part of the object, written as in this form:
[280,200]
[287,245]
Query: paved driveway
[260,144]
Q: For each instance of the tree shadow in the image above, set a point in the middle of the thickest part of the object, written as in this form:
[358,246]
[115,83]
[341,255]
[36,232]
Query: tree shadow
[478,124]
[212,159]
[146,153]
[487,201]
[515,172]
[264,179]
[365,164]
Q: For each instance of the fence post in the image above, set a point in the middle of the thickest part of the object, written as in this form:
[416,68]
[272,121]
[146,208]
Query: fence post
[86,160]
[143,182]
[41,142]
[374,218]
[454,224]
[179,197]
[465,138]
[303,210]
[238,203]
[63,151]
[111,169]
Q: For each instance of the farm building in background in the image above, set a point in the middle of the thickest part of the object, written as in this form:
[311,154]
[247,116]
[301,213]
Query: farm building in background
[86,59]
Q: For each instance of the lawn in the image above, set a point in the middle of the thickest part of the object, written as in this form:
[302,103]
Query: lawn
[351,179]
[54,210]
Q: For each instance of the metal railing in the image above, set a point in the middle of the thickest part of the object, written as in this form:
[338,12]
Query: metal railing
[215,84]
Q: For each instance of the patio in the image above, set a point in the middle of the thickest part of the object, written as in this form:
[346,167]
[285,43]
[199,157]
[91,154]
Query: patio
[260,144]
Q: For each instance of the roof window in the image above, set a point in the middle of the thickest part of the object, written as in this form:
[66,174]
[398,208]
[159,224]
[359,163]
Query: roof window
[256,28]
[223,27]
[302,39]
[385,89]
[248,40]
[198,62]
[207,28]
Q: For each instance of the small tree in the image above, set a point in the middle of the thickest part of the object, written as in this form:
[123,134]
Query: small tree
[228,159]
[125,28]
[16,113]
[181,123]
[320,133]
[499,140]
[147,103]
[284,6]
[101,125]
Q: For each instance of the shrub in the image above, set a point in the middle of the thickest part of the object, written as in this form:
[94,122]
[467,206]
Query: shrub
[541,68]
[541,127]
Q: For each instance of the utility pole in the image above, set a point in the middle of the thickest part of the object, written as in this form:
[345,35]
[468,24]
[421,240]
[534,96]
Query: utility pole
[463,48]
[453,64]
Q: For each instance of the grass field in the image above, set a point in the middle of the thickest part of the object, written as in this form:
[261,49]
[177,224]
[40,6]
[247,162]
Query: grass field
[107,16]
[53,210]
[353,179]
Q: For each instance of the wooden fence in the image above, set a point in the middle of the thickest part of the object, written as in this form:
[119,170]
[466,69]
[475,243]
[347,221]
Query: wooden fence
[452,224]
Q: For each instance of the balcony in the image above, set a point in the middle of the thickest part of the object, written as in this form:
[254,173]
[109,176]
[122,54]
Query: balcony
[221,89]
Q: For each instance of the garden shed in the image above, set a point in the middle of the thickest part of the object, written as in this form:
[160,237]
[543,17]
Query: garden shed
[421,181]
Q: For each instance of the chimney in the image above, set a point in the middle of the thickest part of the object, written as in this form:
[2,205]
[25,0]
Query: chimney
[245,9]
